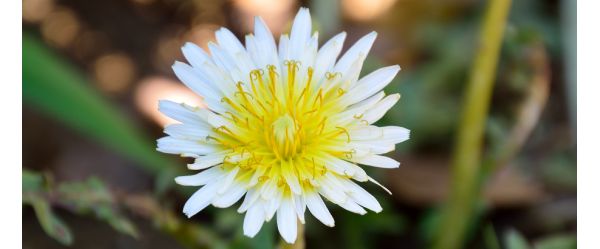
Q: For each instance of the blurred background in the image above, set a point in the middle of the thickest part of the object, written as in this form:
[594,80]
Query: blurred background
[93,72]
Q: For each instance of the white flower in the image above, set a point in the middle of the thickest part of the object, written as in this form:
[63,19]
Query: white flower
[284,125]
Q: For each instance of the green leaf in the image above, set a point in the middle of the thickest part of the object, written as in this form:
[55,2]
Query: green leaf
[31,181]
[92,196]
[489,237]
[123,225]
[557,242]
[51,224]
[52,85]
[514,240]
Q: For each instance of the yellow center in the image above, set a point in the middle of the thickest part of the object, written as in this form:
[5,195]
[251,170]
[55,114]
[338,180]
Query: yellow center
[284,132]
[280,125]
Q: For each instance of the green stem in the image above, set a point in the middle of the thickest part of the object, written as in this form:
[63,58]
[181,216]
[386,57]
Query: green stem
[467,155]
[299,244]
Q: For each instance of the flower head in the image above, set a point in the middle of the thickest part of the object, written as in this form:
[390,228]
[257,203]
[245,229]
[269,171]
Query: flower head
[284,125]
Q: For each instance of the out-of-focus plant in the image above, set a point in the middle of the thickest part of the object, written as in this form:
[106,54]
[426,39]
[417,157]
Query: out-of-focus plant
[515,240]
[55,87]
[90,197]
[467,152]
[560,241]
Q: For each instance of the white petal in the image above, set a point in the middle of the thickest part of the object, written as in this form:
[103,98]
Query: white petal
[362,46]
[258,173]
[186,131]
[307,58]
[372,147]
[201,178]
[300,207]
[206,69]
[377,161]
[379,110]
[192,80]
[226,62]
[287,220]
[180,112]
[283,48]
[300,34]
[362,197]
[251,196]
[352,206]
[265,43]
[232,46]
[387,134]
[350,78]
[317,207]
[226,182]
[371,84]
[272,206]
[395,134]
[195,55]
[360,174]
[332,193]
[254,219]
[336,165]
[173,145]
[203,162]
[327,55]
[287,170]
[231,196]
[228,41]
[200,199]
[269,189]
[355,112]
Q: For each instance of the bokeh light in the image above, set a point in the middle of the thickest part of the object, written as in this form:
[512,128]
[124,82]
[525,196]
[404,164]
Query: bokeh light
[60,28]
[152,89]
[36,10]
[114,72]
[276,13]
[201,34]
[364,10]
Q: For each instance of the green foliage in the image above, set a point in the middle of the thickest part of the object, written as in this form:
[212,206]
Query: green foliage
[466,160]
[31,181]
[264,239]
[489,237]
[514,240]
[557,242]
[51,224]
[87,197]
[92,196]
[52,85]
[33,187]
[358,230]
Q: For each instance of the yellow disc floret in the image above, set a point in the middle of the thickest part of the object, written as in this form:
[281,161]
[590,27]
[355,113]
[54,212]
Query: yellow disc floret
[280,125]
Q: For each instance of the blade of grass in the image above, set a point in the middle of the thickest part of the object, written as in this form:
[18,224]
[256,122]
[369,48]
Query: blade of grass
[467,153]
[53,86]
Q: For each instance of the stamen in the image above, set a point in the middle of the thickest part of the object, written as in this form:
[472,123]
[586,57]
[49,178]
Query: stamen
[263,178]
[322,125]
[344,131]
[330,76]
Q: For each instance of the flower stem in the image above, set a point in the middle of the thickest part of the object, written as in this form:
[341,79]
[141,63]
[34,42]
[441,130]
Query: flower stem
[299,244]
[466,162]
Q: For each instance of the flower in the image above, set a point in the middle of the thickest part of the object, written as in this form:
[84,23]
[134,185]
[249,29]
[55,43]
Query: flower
[283,125]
